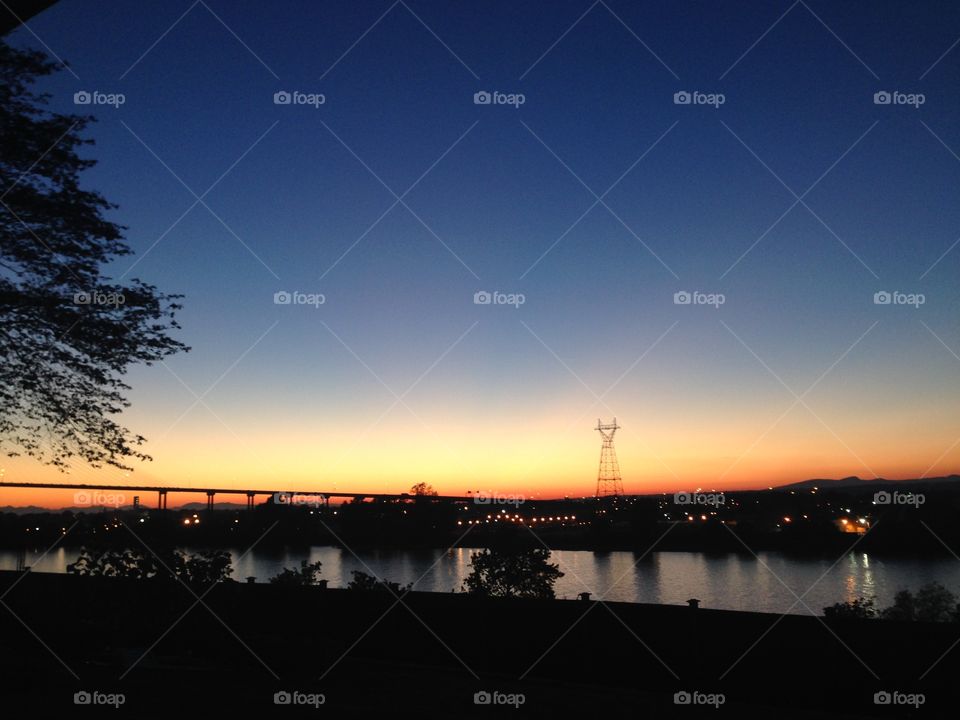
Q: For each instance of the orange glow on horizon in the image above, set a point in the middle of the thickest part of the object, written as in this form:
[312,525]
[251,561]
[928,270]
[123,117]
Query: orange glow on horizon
[550,456]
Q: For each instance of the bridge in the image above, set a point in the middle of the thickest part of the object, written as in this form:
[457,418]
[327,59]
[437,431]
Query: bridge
[251,495]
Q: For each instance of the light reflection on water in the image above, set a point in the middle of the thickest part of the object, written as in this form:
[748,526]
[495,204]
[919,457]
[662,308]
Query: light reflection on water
[727,581]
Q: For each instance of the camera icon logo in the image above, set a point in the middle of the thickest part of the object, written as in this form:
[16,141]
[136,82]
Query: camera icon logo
[82,698]
[282,498]
[282,97]
[882,297]
[682,98]
[482,98]
[682,698]
[882,498]
[482,297]
[882,698]
[682,298]
[282,298]
[482,698]
[82,97]
[81,298]
[282,698]
[81,498]
[882,98]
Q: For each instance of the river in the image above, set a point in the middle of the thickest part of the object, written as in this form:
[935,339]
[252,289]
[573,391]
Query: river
[769,582]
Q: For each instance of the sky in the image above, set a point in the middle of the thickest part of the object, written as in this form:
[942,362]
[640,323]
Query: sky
[587,198]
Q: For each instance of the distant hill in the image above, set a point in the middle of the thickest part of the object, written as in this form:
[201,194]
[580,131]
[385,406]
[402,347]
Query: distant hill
[216,506]
[854,481]
[25,510]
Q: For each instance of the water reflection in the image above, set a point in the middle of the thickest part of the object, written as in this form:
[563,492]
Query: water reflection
[768,582]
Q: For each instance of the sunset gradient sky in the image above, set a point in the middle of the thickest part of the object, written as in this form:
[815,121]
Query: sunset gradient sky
[501,398]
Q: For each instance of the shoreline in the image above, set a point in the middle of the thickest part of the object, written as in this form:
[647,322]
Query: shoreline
[364,651]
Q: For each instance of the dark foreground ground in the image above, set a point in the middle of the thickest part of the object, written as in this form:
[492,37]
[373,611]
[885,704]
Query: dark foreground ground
[370,656]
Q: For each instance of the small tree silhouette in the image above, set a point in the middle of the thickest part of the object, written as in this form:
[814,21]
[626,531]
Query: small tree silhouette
[203,568]
[513,572]
[308,574]
[422,489]
[362,581]
[860,609]
[932,603]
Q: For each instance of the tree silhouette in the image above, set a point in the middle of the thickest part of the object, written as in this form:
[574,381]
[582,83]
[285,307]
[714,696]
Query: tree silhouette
[67,333]
[931,603]
[308,574]
[422,489]
[363,581]
[860,608]
[512,572]
[200,569]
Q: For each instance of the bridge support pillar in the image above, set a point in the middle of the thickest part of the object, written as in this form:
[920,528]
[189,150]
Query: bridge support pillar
[210,494]
[162,500]
[250,497]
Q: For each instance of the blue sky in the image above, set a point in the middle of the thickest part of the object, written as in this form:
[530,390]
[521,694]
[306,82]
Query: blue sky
[502,207]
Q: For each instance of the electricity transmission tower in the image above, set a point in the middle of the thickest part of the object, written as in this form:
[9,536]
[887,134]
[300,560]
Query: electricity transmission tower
[608,479]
